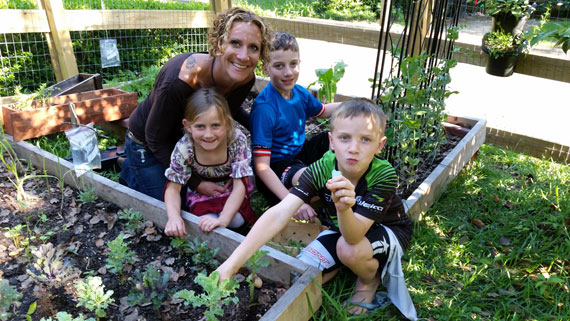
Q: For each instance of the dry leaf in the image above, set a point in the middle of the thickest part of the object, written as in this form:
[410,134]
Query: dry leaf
[492,295]
[477,222]
[99,242]
[507,292]
[150,231]
[496,199]
[96,219]
[54,200]
[264,299]
[77,229]
[181,271]
[102,270]
[239,277]
[437,302]
[169,261]
[111,219]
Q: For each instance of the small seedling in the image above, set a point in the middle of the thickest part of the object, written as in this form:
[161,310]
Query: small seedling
[133,218]
[182,245]
[217,294]
[17,238]
[87,196]
[150,286]
[8,296]
[119,255]
[50,268]
[64,316]
[254,263]
[203,255]
[92,296]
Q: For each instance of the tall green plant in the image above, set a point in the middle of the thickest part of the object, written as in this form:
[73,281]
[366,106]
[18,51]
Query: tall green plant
[254,263]
[327,79]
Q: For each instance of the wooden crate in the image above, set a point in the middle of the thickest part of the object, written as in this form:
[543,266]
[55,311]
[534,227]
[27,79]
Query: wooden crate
[76,84]
[301,279]
[95,106]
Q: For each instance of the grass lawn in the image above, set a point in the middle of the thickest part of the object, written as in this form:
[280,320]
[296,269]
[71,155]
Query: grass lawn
[495,246]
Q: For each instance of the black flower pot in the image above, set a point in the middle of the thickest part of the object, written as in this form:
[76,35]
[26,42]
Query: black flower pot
[504,65]
[508,23]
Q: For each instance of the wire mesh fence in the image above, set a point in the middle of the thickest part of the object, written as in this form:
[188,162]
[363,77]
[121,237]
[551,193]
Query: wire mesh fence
[25,57]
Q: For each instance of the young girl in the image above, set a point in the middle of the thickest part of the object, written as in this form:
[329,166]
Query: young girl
[217,151]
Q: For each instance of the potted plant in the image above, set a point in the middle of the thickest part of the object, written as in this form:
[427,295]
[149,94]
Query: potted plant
[509,16]
[503,50]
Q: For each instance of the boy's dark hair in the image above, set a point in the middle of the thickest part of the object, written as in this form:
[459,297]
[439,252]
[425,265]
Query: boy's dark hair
[284,41]
[360,107]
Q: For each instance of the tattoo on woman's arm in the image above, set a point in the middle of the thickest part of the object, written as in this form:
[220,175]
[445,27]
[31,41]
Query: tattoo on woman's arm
[190,62]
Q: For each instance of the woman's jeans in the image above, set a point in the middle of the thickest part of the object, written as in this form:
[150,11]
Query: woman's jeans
[141,171]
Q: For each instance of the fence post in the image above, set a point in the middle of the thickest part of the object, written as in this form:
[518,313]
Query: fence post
[420,26]
[220,5]
[64,62]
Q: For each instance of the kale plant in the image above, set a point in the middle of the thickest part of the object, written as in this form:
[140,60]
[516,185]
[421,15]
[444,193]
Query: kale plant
[50,268]
[8,296]
[203,255]
[150,286]
[64,316]
[254,263]
[119,255]
[182,245]
[328,78]
[217,294]
[92,295]
[134,219]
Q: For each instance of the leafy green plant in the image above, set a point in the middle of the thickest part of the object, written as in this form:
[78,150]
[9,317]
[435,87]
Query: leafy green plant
[134,219]
[202,254]
[50,268]
[328,78]
[8,296]
[93,297]
[517,8]
[119,255]
[414,105]
[64,316]
[217,294]
[501,44]
[182,245]
[254,263]
[15,234]
[150,286]
[88,196]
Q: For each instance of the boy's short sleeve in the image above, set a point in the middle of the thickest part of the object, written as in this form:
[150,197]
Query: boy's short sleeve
[180,170]
[240,155]
[314,107]
[262,120]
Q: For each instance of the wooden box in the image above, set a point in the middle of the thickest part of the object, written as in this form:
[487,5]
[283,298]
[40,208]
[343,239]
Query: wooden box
[76,84]
[95,106]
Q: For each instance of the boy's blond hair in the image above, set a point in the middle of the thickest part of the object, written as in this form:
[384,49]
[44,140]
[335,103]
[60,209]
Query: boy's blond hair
[360,107]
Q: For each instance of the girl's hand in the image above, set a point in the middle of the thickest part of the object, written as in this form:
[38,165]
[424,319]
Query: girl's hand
[305,212]
[210,188]
[208,224]
[175,227]
[342,192]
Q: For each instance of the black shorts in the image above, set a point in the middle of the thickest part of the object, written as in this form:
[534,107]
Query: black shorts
[311,152]
[321,252]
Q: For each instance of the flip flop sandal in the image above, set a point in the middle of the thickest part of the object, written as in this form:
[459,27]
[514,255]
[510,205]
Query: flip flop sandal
[379,301]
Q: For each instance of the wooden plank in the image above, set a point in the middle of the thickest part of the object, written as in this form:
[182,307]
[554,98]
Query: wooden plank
[23,21]
[220,5]
[434,185]
[528,145]
[79,20]
[59,31]
[294,304]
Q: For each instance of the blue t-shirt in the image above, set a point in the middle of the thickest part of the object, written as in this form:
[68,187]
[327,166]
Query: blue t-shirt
[278,124]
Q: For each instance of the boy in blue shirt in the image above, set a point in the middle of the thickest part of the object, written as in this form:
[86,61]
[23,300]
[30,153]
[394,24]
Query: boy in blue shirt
[277,123]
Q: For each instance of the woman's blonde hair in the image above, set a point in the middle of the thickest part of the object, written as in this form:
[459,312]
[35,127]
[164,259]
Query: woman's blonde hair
[200,103]
[224,23]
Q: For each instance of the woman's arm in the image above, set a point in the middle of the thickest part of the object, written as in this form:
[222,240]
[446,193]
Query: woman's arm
[267,226]
[175,225]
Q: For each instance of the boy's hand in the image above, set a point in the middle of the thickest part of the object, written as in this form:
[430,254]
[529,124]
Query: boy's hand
[342,192]
[175,227]
[305,212]
[210,188]
[208,224]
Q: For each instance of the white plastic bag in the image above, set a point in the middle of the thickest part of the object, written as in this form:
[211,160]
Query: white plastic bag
[84,149]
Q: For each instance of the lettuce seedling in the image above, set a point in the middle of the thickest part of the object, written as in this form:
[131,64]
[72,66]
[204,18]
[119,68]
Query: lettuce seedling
[92,295]
[64,316]
[134,219]
[150,286]
[119,255]
[50,269]
[217,294]
[254,263]
[8,296]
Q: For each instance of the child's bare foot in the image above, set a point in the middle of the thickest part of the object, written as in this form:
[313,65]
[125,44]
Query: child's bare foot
[363,295]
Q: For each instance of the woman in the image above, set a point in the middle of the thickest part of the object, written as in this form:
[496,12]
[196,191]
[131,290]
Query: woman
[238,40]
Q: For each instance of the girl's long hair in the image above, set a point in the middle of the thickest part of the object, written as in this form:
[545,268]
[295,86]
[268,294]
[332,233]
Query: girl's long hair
[201,102]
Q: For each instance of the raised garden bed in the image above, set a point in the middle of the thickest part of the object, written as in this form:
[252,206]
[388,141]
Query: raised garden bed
[284,271]
[96,106]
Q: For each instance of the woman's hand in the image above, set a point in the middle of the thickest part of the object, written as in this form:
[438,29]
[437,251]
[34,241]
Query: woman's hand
[175,227]
[208,224]
[210,188]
